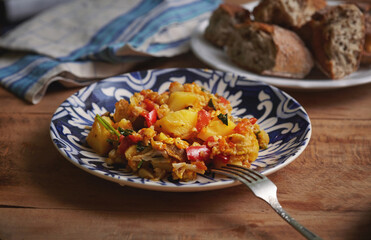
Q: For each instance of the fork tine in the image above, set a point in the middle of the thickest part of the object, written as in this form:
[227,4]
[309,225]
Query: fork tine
[242,170]
[235,175]
[245,170]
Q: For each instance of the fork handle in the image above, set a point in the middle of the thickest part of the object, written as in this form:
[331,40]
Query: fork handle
[300,228]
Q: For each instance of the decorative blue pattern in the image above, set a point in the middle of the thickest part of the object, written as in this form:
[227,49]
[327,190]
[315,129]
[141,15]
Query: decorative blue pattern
[280,115]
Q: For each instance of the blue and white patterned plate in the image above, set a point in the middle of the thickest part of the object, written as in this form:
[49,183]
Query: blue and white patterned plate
[283,118]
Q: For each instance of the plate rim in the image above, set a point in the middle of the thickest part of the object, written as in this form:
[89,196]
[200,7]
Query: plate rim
[150,184]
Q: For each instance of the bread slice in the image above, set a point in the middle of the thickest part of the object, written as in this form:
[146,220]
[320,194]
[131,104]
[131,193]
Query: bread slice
[287,13]
[269,50]
[336,39]
[222,23]
[366,54]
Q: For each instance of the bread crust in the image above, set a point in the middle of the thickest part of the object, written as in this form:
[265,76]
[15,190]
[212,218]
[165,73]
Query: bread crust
[290,57]
[337,61]
[366,54]
[287,13]
[222,21]
[293,58]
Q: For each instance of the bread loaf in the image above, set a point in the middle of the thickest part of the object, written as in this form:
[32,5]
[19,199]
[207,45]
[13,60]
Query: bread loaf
[222,22]
[269,50]
[287,13]
[336,39]
[366,54]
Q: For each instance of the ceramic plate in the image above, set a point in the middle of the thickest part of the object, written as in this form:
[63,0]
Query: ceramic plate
[217,58]
[283,118]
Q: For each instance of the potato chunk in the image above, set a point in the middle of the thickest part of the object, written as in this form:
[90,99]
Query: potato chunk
[216,128]
[178,124]
[181,100]
[124,124]
[97,138]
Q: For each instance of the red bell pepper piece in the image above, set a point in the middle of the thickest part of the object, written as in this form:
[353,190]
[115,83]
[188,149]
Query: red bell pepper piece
[151,117]
[198,153]
[203,119]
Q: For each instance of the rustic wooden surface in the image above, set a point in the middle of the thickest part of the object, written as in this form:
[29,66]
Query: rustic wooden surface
[327,188]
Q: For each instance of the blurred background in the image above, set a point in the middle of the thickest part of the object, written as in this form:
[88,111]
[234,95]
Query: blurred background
[13,12]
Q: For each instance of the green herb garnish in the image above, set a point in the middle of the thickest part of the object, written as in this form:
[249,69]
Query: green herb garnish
[125,132]
[223,118]
[140,164]
[211,104]
[140,146]
[107,125]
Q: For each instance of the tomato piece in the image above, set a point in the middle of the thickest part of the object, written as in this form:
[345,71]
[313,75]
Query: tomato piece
[253,120]
[211,139]
[125,143]
[200,165]
[223,101]
[135,137]
[198,153]
[150,105]
[221,157]
[203,119]
[151,117]
[245,125]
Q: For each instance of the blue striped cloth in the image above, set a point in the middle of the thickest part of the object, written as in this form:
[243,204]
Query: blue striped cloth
[87,40]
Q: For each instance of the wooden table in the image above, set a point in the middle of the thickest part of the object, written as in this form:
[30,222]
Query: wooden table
[327,188]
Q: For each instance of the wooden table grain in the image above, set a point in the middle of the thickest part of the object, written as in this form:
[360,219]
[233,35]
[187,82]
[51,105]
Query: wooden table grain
[327,188]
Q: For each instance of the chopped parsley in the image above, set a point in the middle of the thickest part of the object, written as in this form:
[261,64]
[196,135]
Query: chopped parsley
[140,164]
[125,132]
[223,118]
[107,125]
[140,146]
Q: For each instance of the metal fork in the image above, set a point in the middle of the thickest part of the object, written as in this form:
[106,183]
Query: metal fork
[265,189]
